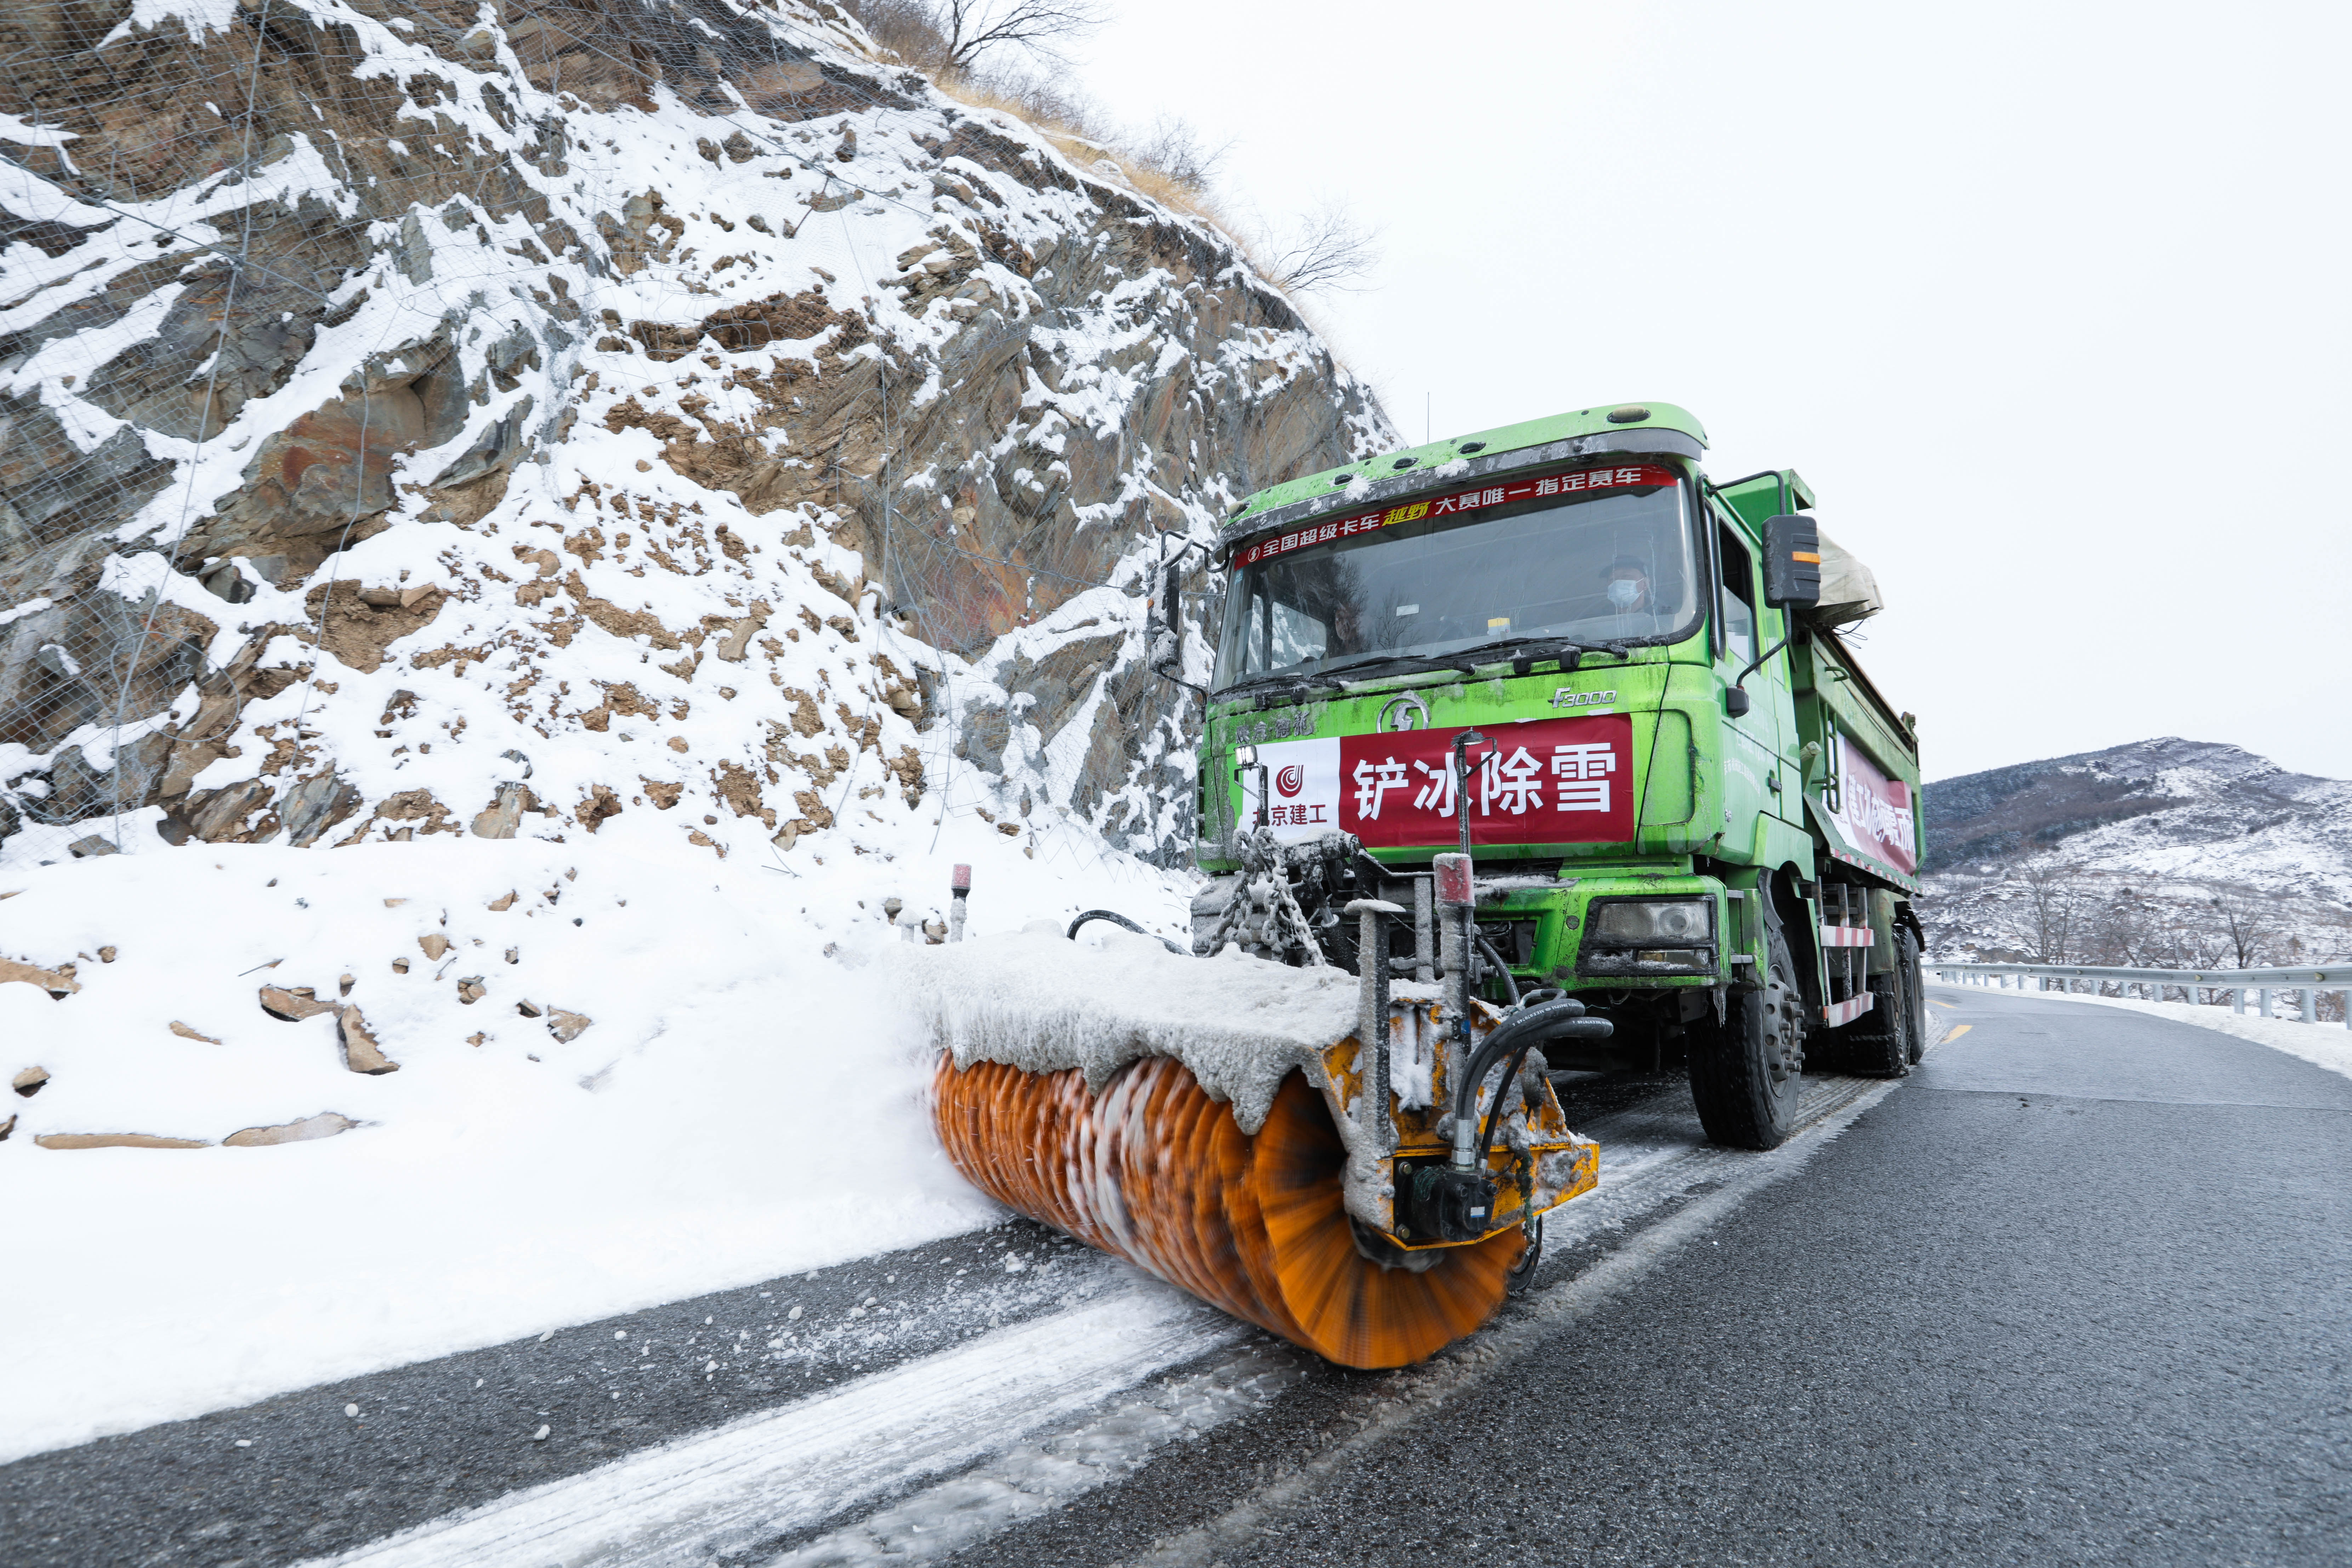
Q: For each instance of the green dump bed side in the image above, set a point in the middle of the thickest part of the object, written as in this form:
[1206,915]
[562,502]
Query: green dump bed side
[1861,764]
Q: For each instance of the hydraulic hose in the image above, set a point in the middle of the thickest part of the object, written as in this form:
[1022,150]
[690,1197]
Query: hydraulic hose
[1560,1019]
[1119,920]
[1510,981]
[1494,1117]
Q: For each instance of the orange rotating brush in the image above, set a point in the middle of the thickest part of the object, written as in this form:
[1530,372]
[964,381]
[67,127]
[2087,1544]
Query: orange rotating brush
[1155,1172]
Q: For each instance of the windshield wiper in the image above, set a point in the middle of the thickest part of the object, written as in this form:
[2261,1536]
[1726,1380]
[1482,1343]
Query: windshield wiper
[1531,651]
[1296,684]
[1359,660]
[1289,684]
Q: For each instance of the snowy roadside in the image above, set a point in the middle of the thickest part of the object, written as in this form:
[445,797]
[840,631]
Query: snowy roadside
[2322,1044]
[639,1078]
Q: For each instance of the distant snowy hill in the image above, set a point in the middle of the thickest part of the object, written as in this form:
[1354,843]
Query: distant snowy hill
[2145,838]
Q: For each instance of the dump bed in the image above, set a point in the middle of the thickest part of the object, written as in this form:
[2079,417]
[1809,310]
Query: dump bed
[1861,762]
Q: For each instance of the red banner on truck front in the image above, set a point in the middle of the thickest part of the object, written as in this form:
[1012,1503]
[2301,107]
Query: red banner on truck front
[1574,482]
[1550,781]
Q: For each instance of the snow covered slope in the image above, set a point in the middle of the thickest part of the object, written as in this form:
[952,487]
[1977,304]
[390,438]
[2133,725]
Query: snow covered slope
[650,416]
[2152,848]
[649,458]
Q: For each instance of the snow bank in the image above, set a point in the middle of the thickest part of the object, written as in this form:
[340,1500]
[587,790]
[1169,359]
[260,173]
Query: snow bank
[1041,1004]
[736,1104]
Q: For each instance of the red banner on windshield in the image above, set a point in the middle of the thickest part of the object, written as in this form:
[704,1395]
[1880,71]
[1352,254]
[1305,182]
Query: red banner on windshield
[1577,481]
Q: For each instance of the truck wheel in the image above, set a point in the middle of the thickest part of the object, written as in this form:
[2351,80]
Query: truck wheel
[1748,1075]
[1914,1011]
[1878,1044]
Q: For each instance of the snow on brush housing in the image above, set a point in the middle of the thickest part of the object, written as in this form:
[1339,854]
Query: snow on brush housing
[665,421]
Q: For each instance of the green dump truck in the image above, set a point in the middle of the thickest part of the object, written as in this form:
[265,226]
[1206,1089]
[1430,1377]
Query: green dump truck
[1618,685]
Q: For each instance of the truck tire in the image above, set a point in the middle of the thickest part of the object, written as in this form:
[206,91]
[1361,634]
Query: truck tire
[1747,1074]
[1878,1044]
[1914,1013]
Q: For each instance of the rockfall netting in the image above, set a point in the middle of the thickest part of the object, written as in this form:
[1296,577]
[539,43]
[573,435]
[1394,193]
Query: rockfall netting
[656,405]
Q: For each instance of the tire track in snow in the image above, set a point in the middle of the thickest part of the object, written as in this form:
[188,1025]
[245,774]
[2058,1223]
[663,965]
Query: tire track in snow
[767,1476]
[1026,1419]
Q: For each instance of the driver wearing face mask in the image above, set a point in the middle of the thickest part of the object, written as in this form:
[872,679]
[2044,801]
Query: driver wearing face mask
[1629,585]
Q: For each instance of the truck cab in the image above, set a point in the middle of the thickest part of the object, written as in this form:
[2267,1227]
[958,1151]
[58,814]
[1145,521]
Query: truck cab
[1616,683]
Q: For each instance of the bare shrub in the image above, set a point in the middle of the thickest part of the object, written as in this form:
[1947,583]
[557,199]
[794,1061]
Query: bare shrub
[1171,148]
[1327,249]
[908,29]
[964,45]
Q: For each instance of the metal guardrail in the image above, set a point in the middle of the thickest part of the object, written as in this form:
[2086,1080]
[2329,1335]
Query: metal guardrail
[2263,984]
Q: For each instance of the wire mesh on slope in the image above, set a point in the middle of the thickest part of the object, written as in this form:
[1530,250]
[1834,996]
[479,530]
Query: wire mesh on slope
[188,150]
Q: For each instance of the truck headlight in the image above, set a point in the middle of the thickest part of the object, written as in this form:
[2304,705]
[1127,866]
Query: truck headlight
[1640,937]
[1644,922]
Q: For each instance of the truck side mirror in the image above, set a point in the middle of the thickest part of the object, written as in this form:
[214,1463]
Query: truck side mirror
[1163,627]
[1792,562]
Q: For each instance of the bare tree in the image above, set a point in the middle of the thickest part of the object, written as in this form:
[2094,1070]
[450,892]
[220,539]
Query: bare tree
[2246,926]
[975,27]
[2053,894]
[1329,250]
[2122,932]
[949,37]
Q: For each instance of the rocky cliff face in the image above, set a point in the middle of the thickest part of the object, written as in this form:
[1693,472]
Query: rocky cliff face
[662,418]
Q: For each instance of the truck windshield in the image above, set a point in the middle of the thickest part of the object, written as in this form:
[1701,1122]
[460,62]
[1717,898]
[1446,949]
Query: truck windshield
[1590,556]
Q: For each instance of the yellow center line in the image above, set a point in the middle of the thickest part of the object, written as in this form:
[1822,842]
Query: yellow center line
[1956,1034]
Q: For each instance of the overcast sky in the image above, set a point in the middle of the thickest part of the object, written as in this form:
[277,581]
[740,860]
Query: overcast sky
[2047,301]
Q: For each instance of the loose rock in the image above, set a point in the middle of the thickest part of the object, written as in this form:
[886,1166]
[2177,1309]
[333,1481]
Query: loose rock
[361,1053]
[293,1002]
[326,1124]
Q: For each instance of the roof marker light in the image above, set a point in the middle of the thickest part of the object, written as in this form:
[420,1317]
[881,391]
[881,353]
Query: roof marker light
[1632,413]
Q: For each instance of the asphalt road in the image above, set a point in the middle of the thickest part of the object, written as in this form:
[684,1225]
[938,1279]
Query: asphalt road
[2078,1290]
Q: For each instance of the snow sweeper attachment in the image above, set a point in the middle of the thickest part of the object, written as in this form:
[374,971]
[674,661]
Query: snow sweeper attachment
[1207,1119]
